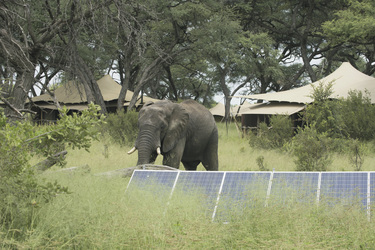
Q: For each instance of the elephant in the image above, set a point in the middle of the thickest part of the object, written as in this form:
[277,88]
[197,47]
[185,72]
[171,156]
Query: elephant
[184,132]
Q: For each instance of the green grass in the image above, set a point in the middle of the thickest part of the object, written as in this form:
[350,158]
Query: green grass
[235,154]
[98,214]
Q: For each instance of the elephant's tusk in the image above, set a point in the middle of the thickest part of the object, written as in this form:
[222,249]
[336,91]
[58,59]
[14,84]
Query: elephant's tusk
[132,150]
[158,151]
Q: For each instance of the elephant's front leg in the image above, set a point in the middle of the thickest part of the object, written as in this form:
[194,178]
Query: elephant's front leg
[174,156]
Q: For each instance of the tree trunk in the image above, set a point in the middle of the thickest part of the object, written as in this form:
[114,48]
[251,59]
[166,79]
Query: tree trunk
[24,82]
[171,82]
[125,69]
[149,72]
[92,89]
[306,60]
[226,91]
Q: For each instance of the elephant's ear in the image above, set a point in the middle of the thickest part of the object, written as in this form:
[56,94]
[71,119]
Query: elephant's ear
[176,129]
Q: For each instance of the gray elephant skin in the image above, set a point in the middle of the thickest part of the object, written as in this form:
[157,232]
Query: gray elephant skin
[184,132]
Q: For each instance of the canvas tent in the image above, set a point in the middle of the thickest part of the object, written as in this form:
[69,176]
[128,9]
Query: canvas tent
[219,110]
[344,79]
[73,96]
[290,102]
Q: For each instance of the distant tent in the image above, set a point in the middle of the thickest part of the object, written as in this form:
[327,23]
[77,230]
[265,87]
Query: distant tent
[219,111]
[290,102]
[73,96]
[344,79]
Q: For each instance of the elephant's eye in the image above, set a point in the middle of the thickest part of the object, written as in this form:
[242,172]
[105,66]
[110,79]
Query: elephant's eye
[163,125]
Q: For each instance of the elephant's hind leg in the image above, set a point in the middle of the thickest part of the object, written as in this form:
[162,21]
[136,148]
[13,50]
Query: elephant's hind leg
[191,165]
[210,158]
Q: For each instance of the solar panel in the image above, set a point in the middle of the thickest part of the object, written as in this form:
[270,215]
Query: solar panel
[227,193]
[290,187]
[160,182]
[204,185]
[241,190]
[346,188]
[372,191]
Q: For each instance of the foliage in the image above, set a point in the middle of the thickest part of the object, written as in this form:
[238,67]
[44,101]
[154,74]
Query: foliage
[21,194]
[358,115]
[353,24]
[121,127]
[351,117]
[311,149]
[324,112]
[261,164]
[356,154]
[275,136]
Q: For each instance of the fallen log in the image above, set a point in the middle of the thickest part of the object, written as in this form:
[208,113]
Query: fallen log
[50,161]
[127,172]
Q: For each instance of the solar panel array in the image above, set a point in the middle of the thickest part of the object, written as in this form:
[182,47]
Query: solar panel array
[244,188]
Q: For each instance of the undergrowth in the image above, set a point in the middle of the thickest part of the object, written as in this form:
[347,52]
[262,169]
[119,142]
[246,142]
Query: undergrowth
[100,215]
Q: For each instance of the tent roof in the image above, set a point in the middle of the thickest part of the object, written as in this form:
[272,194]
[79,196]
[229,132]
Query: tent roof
[219,109]
[78,107]
[272,108]
[73,95]
[71,92]
[344,79]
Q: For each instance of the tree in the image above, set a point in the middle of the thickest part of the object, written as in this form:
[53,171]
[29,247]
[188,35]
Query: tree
[354,27]
[294,27]
[28,30]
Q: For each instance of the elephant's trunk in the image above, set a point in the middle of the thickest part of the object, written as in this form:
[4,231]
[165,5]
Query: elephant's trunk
[148,145]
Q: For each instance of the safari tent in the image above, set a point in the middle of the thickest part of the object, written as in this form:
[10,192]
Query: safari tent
[291,102]
[73,96]
[219,111]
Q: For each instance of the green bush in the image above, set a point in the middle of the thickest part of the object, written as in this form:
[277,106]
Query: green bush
[325,113]
[275,136]
[352,117]
[357,152]
[311,149]
[21,193]
[359,116]
[122,128]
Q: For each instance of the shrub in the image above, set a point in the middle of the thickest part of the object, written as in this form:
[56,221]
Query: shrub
[122,128]
[359,115]
[357,151]
[21,194]
[260,162]
[275,136]
[311,149]
[325,113]
[351,117]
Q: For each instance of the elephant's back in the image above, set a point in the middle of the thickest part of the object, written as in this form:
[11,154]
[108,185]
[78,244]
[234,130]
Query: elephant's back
[198,113]
[201,129]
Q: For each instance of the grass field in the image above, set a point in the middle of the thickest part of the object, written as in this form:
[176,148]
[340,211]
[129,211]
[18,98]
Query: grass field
[235,154]
[99,215]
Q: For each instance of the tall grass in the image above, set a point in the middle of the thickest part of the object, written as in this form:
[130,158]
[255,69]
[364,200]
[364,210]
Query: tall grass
[98,214]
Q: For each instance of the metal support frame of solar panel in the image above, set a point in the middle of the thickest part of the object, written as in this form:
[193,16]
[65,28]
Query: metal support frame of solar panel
[219,187]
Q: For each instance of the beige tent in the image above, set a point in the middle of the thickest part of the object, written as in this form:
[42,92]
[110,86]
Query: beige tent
[272,108]
[344,79]
[73,93]
[73,96]
[290,102]
[219,110]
